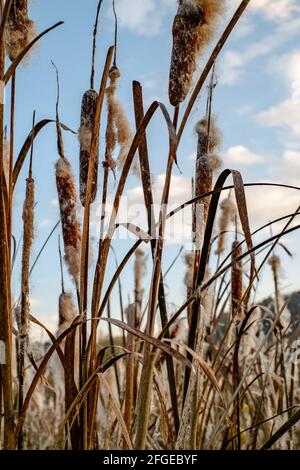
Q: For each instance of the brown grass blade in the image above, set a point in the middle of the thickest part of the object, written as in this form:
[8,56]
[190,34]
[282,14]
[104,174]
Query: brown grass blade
[22,54]
[25,149]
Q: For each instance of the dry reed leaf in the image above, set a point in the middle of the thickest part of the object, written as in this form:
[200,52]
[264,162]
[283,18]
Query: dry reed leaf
[150,339]
[203,365]
[136,231]
[117,410]
[13,67]
[237,281]
[27,144]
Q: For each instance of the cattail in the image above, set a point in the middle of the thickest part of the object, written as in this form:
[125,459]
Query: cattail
[24,312]
[87,125]
[193,29]
[189,259]
[118,131]
[28,235]
[274,262]
[236,281]
[67,197]
[20,29]
[206,163]
[88,111]
[68,202]
[228,211]
[66,310]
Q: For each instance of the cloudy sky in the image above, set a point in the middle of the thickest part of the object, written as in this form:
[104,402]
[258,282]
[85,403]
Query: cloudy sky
[257,104]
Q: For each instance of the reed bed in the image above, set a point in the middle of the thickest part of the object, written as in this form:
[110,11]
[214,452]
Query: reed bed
[217,372]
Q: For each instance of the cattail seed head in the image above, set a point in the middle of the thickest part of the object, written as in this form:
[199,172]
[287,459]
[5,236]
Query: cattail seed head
[274,262]
[68,213]
[67,310]
[118,131]
[228,212]
[208,144]
[236,280]
[207,162]
[139,268]
[87,123]
[189,260]
[20,29]
[67,314]
[28,235]
[193,29]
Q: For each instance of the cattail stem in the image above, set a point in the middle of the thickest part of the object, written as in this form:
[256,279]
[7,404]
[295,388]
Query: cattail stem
[116,34]
[11,156]
[5,289]
[95,43]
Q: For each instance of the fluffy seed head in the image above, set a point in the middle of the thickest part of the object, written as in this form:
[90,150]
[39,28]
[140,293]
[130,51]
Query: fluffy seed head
[189,260]
[208,144]
[228,211]
[118,131]
[274,262]
[139,268]
[87,123]
[207,162]
[193,29]
[28,235]
[20,29]
[67,310]
[28,220]
[68,213]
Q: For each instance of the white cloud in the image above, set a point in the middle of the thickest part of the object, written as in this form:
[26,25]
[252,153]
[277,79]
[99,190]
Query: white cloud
[287,170]
[273,203]
[276,10]
[144,17]
[233,63]
[232,67]
[45,223]
[284,116]
[240,155]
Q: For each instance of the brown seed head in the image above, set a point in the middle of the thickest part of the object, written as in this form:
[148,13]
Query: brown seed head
[118,130]
[87,123]
[68,213]
[20,29]
[193,29]
[228,211]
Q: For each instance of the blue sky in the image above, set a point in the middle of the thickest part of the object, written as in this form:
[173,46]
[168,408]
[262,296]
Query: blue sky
[257,104]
